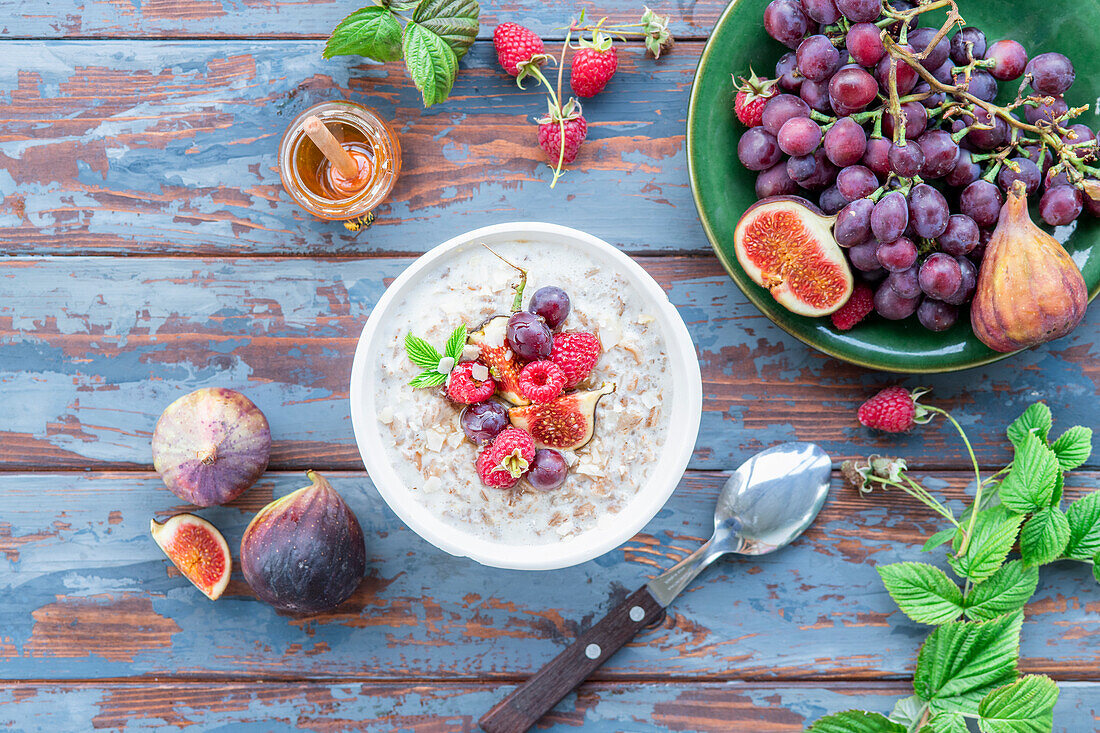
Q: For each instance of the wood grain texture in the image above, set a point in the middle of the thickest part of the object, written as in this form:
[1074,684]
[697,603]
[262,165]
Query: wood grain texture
[438,708]
[85,593]
[93,349]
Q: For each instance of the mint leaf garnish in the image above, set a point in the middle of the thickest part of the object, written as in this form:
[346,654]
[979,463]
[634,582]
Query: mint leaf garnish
[855,721]
[1073,447]
[372,32]
[456,343]
[1030,485]
[1036,419]
[1084,527]
[1025,706]
[421,353]
[1007,590]
[1044,537]
[963,660]
[923,592]
[429,378]
[430,61]
[455,21]
[994,535]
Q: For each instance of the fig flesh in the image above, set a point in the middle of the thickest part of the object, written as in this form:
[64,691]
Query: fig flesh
[211,445]
[490,339]
[786,245]
[1029,289]
[198,549]
[566,422]
[304,553]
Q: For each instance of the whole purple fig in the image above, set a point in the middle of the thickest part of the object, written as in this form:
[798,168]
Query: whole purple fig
[211,445]
[304,553]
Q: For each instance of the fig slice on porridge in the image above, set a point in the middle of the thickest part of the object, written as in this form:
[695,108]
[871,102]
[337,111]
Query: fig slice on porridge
[566,423]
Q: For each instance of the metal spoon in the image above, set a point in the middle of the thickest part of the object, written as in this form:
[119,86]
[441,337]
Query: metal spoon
[768,502]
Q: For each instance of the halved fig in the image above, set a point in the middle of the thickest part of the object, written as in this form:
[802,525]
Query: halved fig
[502,363]
[565,423]
[786,244]
[198,549]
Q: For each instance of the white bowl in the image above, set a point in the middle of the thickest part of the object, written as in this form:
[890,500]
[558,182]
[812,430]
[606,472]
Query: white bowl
[686,408]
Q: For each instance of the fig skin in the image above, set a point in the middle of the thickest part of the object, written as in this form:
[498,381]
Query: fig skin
[304,553]
[1029,289]
[211,445]
[807,274]
[197,549]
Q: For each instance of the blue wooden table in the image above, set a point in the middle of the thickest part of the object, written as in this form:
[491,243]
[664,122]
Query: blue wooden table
[150,251]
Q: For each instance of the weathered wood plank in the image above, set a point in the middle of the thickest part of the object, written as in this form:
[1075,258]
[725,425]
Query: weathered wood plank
[434,707]
[121,147]
[92,349]
[85,593]
[297,19]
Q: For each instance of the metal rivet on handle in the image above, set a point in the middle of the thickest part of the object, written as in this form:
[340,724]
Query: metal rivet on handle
[592,651]
[637,613]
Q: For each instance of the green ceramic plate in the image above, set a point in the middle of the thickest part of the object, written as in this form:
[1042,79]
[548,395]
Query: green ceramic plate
[723,189]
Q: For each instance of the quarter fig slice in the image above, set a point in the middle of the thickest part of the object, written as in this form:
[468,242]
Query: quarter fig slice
[786,245]
[502,363]
[566,423]
[198,549]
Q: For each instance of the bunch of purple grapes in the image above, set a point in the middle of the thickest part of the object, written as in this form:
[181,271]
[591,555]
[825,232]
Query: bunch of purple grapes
[914,215]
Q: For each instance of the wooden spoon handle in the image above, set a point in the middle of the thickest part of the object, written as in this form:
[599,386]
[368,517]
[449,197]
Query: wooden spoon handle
[528,702]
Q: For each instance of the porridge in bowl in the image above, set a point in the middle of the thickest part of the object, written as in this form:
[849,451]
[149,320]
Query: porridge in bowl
[519,428]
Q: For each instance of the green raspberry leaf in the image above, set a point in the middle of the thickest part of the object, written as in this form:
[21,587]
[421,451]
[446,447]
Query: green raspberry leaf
[908,711]
[1044,537]
[1025,706]
[946,723]
[1073,447]
[1084,527]
[994,535]
[1096,567]
[1007,590]
[855,721]
[421,353]
[432,64]
[1030,486]
[456,343]
[962,661]
[372,32]
[1036,419]
[455,21]
[940,538]
[430,378]
[923,592]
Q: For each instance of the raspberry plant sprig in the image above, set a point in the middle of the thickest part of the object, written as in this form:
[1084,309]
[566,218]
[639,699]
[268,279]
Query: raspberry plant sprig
[436,366]
[652,28]
[967,668]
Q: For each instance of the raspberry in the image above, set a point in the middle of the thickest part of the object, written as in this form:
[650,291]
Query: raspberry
[507,458]
[466,389]
[752,94]
[541,381]
[861,302]
[575,354]
[591,69]
[893,410]
[516,46]
[576,130]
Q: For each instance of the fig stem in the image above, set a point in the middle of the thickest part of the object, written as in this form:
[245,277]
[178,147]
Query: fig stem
[208,456]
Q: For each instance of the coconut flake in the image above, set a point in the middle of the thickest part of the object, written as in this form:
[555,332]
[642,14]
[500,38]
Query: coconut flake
[434,439]
[644,319]
[470,352]
[590,469]
[480,372]
[432,484]
[385,415]
[570,457]
[446,364]
[455,439]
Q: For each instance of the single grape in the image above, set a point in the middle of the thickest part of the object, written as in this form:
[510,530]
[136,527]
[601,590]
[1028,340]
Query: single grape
[1045,112]
[969,282]
[978,252]
[1092,205]
[824,174]
[928,211]
[1009,60]
[944,73]
[935,315]
[823,11]
[1051,73]
[483,420]
[853,88]
[902,6]
[785,22]
[1061,204]
[968,42]
[860,11]
[799,136]
[550,303]
[933,99]
[818,58]
[547,471]
[981,201]
[758,149]
[845,142]
[897,256]
[786,72]
[921,37]
[906,77]
[965,172]
[816,94]
[981,84]
[1028,172]
[892,306]
[781,108]
[1055,178]
[940,275]
[960,237]
[864,43]
[775,182]
[1032,153]
[853,223]
[864,256]
[877,155]
[856,181]
[831,200]
[890,217]
[906,284]
[941,154]
[988,139]
[528,336]
[916,120]
[801,167]
[906,160]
